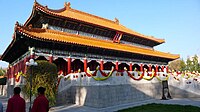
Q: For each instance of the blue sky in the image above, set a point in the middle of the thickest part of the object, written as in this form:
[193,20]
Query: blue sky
[176,21]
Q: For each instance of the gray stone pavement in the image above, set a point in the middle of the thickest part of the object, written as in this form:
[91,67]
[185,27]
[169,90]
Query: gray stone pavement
[78,108]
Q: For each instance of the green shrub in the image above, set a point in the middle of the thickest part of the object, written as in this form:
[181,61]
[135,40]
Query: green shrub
[45,75]
[2,72]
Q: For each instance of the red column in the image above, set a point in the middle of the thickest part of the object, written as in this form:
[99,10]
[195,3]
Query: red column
[16,68]
[116,65]
[141,67]
[156,70]
[85,64]
[150,67]
[69,65]
[101,64]
[166,68]
[12,72]
[50,58]
[130,67]
[163,68]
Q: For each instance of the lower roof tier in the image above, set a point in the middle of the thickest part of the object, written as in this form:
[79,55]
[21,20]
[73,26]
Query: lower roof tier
[50,39]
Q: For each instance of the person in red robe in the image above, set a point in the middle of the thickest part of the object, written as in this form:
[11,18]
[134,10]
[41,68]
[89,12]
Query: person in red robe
[40,104]
[16,103]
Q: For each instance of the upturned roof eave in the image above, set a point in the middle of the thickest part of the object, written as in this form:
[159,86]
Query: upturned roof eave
[55,13]
[7,50]
[62,36]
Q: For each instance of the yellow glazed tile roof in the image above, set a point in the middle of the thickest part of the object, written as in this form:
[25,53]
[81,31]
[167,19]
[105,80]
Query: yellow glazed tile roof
[57,36]
[68,12]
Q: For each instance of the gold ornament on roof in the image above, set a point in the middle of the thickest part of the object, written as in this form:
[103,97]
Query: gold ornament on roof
[30,26]
[116,20]
[45,26]
[67,5]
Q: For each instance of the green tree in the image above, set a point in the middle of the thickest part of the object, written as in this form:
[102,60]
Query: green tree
[45,75]
[195,63]
[192,64]
[182,65]
[188,64]
[178,65]
[2,72]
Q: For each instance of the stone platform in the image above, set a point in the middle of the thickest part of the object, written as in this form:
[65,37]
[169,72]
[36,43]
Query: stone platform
[119,90]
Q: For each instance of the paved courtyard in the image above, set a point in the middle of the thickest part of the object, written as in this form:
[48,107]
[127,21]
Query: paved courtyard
[78,108]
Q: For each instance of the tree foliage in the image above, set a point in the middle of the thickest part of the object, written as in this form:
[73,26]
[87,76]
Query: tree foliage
[191,64]
[2,72]
[177,65]
[45,75]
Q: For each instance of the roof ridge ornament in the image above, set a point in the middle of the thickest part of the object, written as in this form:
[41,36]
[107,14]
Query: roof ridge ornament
[116,20]
[35,2]
[46,7]
[16,25]
[30,26]
[67,5]
[45,26]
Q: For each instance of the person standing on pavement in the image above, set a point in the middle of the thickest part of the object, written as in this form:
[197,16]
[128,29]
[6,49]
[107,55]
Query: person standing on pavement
[40,104]
[16,103]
